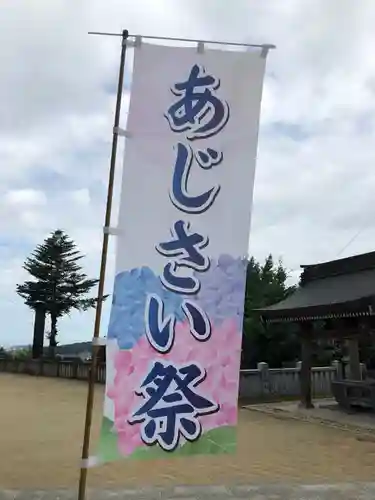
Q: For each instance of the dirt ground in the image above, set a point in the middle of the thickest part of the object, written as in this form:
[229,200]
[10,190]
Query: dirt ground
[41,434]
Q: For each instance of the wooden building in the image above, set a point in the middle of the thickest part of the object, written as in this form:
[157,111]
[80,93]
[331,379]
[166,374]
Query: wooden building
[335,300]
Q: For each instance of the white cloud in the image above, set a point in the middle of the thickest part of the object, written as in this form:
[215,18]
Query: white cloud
[25,197]
[314,182]
[81,197]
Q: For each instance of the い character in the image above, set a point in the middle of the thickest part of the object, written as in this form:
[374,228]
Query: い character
[160,330]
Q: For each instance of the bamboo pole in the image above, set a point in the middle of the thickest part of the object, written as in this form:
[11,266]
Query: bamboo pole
[103,265]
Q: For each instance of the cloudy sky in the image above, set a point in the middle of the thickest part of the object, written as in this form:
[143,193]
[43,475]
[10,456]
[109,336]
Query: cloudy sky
[315,184]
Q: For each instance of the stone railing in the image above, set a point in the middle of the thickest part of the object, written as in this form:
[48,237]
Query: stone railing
[64,369]
[261,383]
[265,382]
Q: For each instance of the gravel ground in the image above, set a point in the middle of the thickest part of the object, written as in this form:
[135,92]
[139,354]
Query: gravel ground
[41,435]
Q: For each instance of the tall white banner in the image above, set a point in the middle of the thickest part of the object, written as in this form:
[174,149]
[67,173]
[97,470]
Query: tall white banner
[175,329]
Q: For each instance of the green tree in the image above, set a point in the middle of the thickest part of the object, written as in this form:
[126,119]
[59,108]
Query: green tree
[22,353]
[58,284]
[276,343]
[3,353]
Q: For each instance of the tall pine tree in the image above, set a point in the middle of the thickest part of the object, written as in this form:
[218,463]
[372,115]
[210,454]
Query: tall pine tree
[58,284]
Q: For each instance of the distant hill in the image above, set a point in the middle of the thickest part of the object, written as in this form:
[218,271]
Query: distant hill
[74,349]
[67,349]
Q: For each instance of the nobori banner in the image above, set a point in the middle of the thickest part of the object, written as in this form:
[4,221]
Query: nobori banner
[174,336]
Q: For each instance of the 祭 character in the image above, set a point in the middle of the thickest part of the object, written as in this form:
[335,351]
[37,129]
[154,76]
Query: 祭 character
[172,405]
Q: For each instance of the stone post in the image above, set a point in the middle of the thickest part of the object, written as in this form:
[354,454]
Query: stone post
[354,364]
[336,366]
[264,378]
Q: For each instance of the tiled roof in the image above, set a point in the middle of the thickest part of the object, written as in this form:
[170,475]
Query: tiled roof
[341,288]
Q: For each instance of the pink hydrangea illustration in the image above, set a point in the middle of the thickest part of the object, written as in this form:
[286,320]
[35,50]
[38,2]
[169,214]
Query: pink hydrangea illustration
[219,356]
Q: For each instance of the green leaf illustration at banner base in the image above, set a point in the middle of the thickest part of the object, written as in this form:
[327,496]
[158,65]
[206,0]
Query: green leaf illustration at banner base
[221,440]
[107,447]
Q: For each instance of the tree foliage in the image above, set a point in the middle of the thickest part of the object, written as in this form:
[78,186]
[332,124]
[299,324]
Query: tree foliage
[275,344]
[3,353]
[58,284]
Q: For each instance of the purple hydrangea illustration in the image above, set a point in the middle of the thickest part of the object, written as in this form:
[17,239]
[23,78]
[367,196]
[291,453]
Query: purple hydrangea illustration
[126,322]
[222,289]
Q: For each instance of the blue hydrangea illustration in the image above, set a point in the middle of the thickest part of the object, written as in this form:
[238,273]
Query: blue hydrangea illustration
[126,322]
[222,292]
